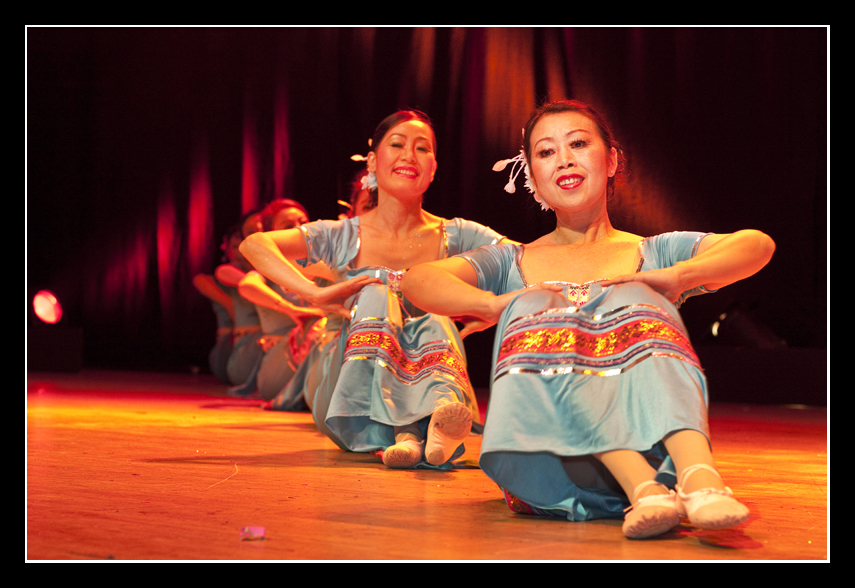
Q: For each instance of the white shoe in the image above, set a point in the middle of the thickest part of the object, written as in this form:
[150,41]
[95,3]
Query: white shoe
[449,426]
[403,455]
[710,508]
[652,515]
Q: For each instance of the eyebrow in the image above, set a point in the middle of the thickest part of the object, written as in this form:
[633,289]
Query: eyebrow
[567,134]
[418,137]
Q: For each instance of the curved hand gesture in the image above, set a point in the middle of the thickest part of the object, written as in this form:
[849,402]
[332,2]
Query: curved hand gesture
[474,324]
[665,281]
[331,298]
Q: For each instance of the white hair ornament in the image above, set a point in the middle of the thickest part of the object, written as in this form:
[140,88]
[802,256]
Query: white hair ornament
[510,187]
[369,180]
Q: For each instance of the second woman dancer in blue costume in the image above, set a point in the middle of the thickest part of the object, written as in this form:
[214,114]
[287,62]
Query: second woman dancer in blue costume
[222,302]
[597,399]
[394,379]
[284,317]
[246,353]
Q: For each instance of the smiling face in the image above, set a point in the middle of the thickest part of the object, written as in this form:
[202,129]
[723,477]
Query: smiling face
[289,218]
[570,164]
[404,161]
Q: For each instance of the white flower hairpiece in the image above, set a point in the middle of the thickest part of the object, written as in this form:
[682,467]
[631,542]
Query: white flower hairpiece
[369,180]
[510,187]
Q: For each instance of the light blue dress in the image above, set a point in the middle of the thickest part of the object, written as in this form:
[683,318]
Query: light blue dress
[306,349]
[246,354]
[279,362]
[584,371]
[218,357]
[390,364]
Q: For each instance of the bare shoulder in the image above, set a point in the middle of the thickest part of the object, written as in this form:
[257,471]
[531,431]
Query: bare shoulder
[433,221]
[624,237]
[543,241]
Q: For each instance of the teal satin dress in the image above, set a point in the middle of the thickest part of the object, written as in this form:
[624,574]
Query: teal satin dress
[390,364]
[583,371]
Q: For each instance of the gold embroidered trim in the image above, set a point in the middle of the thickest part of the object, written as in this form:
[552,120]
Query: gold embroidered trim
[437,357]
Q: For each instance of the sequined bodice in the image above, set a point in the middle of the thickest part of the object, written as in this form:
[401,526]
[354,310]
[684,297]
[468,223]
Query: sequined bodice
[577,294]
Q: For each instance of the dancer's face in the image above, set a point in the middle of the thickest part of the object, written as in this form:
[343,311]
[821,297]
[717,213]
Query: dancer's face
[570,163]
[289,218]
[404,161]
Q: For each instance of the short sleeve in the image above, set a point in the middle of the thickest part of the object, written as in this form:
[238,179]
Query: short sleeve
[668,249]
[492,265]
[465,235]
[331,242]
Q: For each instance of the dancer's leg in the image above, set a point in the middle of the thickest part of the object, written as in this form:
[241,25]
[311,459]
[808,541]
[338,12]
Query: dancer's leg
[688,448]
[654,508]
[703,497]
[630,469]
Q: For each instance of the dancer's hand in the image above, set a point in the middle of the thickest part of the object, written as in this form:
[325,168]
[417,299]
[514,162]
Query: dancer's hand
[665,281]
[331,298]
[496,306]
[471,325]
[306,314]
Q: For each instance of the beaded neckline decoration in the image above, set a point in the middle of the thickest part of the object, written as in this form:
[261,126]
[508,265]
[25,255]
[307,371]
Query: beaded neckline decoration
[577,294]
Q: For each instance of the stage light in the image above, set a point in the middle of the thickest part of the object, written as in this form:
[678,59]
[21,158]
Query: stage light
[53,344]
[47,307]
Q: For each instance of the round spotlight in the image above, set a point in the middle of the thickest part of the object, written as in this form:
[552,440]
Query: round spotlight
[47,307]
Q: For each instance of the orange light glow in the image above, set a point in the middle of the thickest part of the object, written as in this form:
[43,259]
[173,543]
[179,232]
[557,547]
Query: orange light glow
[47,307]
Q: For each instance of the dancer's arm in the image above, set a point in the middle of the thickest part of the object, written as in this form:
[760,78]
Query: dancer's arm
[721,260]
[254,288]
[229,274]
[207,286]
[272,253]
[449,287]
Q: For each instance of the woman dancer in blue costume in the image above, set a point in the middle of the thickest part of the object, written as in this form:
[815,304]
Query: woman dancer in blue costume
[246,352]
[223,306]
[283,316]
[597,401]
[312,340]
[394,379]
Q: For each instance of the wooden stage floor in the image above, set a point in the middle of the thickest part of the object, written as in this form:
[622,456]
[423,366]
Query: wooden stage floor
[133,466]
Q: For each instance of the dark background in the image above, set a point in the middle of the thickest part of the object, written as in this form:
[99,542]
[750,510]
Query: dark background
[144,145]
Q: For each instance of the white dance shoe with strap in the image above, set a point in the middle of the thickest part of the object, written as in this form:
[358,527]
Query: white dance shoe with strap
[651,515]
[709,508]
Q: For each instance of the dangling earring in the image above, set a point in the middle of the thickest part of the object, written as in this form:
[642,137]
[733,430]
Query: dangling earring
[510,187]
